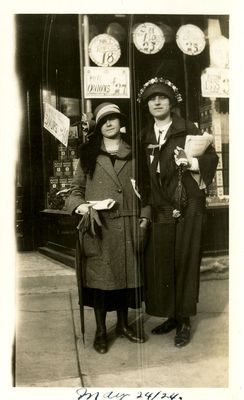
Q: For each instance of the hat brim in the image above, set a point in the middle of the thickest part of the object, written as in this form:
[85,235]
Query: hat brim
[157,89]
[100,122]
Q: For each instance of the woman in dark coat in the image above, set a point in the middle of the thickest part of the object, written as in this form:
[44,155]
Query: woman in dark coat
[172,264]
[111,274]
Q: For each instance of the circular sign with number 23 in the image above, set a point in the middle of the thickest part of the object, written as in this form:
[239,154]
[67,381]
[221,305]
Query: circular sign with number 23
[148,38]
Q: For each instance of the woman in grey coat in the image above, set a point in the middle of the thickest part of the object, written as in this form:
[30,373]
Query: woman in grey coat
[111,274]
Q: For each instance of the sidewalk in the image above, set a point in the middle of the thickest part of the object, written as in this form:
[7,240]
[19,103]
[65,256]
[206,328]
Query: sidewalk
[50,352]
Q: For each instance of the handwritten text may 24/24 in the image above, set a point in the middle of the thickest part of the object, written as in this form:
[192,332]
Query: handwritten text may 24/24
[84,394]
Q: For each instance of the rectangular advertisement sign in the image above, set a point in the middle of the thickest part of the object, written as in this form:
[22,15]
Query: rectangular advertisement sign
[106,82]
[56,123]
[215,82]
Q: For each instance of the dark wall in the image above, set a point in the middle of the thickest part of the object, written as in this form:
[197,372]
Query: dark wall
[29,39]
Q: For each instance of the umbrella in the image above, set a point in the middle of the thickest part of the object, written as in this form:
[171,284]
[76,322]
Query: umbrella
[78,269]
[89,222]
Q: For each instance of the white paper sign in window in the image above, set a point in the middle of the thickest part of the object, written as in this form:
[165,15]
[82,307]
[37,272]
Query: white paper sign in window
[215,82]
[190,39]
[104,50]
[110,82]
[219,52]
[148,38]
[56,123]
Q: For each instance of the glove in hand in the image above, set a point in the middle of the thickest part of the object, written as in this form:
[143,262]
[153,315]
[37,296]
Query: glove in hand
[95,222]
[142,235]
[181,157]
[90,222]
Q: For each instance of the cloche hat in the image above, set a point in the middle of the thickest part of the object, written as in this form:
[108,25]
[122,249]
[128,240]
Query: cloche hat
[105,109]
[159,86]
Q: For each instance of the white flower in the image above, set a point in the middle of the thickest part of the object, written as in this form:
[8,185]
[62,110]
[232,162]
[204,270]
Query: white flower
[176,213]
[159,80]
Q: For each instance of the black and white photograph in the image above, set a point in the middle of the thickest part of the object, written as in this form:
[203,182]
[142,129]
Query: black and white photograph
[121,231]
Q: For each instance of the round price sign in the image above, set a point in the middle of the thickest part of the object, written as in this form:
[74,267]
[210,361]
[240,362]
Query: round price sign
[190,39]
[148,38]
[104,50]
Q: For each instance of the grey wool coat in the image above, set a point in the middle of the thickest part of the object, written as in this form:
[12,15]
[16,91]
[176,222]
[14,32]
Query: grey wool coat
[113,261]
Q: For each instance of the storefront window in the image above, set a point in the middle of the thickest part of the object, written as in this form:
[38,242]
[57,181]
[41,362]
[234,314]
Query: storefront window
[118,53]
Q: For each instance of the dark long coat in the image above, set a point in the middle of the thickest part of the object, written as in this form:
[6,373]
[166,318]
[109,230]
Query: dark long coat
[112,263]
[172,260]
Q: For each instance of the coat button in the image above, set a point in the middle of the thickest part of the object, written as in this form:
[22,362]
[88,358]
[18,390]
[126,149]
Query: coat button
[120,190]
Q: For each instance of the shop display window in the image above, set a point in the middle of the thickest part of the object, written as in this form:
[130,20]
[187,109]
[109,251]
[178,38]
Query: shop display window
[109,58]
[62,159]
[148,45]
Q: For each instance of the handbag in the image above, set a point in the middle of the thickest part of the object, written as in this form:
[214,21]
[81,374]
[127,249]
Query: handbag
[180,196]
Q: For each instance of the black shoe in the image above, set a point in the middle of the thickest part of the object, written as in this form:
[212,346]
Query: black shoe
[131,335]
[183,334]
[100,343]
[165,327]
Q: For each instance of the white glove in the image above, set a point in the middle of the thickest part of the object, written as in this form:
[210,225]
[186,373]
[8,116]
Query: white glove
[82,208]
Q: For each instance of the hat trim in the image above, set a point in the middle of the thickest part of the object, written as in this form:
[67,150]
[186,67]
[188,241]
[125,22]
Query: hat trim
[106,110]
[167,82]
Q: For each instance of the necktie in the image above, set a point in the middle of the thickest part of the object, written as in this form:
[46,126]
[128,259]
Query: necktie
[158,164]
[159,136]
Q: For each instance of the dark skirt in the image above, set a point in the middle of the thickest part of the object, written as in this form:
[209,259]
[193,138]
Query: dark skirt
[172,263]
[111,300]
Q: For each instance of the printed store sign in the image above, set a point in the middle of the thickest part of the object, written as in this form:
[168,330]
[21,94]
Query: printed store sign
[56,123]
[104,50]
[215,82]
[102,82]
[148,38]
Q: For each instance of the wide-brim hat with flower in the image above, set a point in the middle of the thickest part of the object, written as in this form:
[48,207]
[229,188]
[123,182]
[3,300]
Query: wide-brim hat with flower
[159,86]
[104,110]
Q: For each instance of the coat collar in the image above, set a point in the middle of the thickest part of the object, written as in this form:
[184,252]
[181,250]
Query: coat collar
[124,153]
[178,126]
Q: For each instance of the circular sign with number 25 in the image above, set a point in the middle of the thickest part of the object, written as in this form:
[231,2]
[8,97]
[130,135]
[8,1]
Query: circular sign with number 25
[190,39]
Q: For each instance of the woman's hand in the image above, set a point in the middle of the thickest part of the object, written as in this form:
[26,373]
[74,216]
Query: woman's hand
[144,222]
[142,234]
[83,208]
[181,157]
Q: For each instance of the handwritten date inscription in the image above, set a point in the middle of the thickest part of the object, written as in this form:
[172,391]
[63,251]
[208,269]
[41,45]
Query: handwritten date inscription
[84,394]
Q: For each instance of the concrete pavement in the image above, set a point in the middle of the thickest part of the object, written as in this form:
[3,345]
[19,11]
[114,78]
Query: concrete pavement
[50,351]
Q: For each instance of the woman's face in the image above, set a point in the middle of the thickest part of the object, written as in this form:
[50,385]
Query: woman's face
[159,106]
[110,127]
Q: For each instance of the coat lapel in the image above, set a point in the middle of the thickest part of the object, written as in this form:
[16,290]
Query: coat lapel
[123,154]
[150,137]
[106,164]
[178,127]
[113,171]
[118,165]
